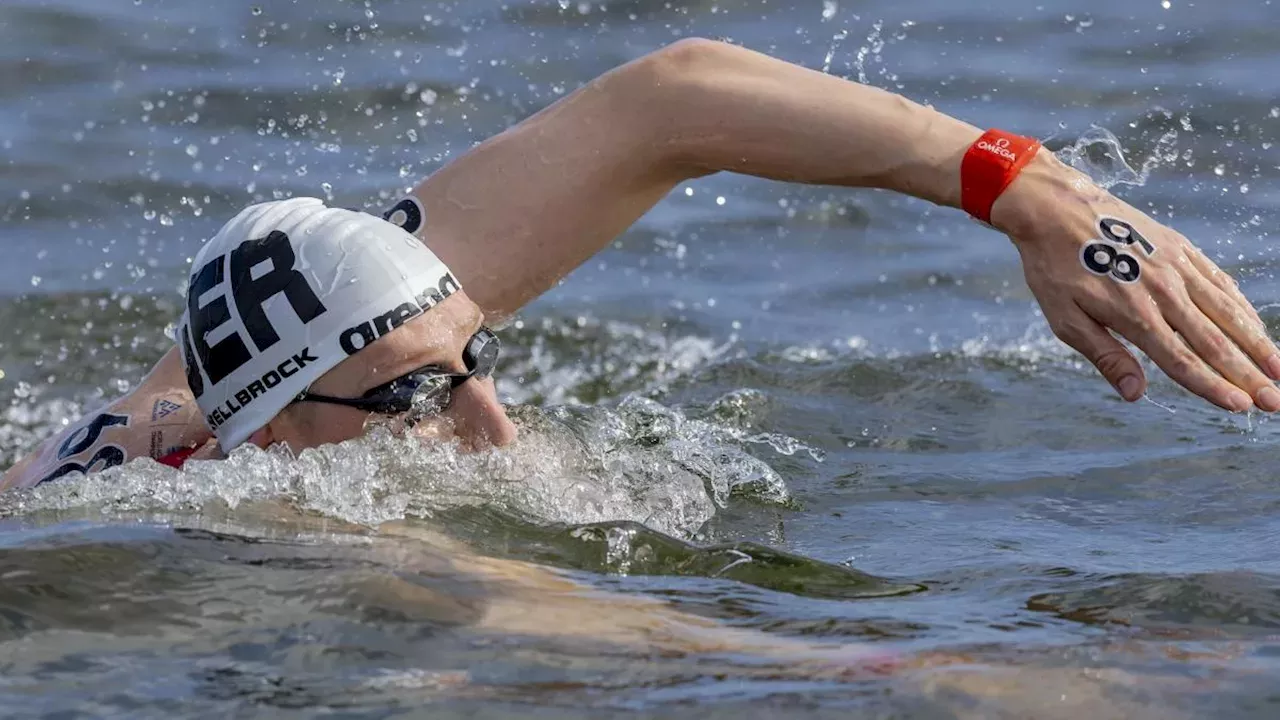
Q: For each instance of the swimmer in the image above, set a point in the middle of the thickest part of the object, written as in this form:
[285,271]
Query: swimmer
[304,322]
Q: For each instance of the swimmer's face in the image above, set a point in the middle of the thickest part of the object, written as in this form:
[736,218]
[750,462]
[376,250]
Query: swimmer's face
[474,417]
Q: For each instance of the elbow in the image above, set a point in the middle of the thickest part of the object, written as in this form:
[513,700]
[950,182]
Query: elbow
[687,61]
[672,92]
[686,64]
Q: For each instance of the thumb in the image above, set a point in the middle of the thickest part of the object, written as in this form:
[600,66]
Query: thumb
[1101,348]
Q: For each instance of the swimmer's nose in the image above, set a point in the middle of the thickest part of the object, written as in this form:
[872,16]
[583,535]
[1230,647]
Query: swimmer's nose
[479,420]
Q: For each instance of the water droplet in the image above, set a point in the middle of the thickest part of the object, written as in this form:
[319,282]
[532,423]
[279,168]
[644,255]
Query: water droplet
[255,10]
[829,9]
[35,280]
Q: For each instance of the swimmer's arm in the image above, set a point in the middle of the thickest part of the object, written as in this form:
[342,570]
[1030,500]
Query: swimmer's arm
[157,417]
[520,211]
[526,207]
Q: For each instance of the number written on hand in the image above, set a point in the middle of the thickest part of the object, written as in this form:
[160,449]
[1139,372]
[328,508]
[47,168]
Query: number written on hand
[83,438]
[1107,256]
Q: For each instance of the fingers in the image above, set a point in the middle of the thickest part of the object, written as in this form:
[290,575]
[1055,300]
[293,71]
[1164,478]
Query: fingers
[1205,335]
[1219,298]
[1219,277]
[1112,359]
[1153,335]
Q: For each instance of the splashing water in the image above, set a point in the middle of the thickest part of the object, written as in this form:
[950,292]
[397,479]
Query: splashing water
[836,39]
[642,462]
[555,361]
[873,47]
[1099,154]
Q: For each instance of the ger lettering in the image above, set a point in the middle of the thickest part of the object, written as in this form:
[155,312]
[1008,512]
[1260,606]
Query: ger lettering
[209,309]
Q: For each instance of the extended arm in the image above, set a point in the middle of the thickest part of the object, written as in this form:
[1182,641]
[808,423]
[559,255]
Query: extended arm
[522,210]
[157,417]
[526,207]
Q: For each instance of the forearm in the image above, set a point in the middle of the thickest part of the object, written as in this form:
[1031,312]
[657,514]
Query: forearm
[731,109]
[154,419]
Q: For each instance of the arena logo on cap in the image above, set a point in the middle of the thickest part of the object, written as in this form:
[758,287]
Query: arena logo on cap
[379,325]
[251,274]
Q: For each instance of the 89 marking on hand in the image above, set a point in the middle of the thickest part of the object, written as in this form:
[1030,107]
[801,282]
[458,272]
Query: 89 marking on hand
[1105,257]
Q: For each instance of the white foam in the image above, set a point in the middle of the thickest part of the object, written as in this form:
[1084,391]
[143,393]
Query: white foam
[642,462]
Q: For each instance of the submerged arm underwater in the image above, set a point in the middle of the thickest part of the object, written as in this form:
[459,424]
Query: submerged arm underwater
[520,211]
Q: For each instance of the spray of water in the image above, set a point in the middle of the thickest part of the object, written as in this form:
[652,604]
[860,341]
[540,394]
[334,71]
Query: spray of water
[1099,154]
[640,462]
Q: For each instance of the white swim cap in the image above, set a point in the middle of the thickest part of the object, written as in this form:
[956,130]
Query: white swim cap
[286,291]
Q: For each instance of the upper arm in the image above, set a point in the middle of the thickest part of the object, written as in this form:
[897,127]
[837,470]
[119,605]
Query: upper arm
[520,211]
[152,420]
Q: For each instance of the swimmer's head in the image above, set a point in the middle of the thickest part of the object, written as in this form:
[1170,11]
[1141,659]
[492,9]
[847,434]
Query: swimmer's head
[294,296]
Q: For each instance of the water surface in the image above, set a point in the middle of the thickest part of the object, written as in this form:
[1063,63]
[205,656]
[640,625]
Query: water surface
[829,423]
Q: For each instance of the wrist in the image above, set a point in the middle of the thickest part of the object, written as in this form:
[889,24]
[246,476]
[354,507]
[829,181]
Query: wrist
[935,173]
[1044,181]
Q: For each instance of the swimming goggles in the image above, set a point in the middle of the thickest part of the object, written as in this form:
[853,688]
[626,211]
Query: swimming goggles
[425,391]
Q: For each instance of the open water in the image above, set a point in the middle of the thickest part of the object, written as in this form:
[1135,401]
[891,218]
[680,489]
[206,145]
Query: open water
[786,451]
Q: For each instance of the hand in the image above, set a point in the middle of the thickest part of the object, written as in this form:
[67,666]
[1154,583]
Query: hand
[1146,282]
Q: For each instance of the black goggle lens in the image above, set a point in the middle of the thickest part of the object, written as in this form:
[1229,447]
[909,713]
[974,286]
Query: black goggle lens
[427,390]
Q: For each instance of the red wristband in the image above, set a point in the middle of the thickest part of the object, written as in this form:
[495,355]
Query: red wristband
[989,166]
[177,458]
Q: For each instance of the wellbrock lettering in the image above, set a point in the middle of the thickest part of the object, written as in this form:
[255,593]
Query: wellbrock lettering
[250,392]
[370,330]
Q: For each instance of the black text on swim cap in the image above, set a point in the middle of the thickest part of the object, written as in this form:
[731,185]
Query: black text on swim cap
[379,325]
[250,287]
